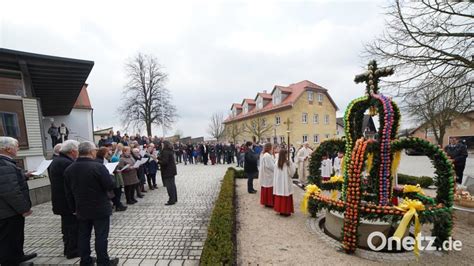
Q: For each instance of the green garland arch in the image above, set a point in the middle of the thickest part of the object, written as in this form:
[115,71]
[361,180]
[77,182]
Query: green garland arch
[330,146]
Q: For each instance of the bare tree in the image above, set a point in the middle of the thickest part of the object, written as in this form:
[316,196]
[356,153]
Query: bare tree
[233,131]
[436,109]
[258,127]
[146,101]
[427,42]
[216,126]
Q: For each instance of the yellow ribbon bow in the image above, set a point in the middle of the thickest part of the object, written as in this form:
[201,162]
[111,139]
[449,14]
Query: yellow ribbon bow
[413,189]
[410,207]
[311,191]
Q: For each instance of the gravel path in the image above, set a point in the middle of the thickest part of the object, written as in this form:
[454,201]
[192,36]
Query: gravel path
[264,237]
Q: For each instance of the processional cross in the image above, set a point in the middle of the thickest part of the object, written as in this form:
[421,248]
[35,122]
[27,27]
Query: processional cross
[372,76]
[287,123]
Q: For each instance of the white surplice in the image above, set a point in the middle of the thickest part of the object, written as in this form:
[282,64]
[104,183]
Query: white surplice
[265,174]
[326,168]
[337,166]
[282,183]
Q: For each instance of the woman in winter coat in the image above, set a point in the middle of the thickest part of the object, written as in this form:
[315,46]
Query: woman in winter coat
[129,175]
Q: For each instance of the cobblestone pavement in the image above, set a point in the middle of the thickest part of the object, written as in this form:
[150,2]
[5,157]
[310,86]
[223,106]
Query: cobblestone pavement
[148,233]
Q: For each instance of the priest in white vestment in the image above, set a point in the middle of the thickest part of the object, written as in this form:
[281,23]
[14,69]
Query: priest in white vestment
[302,157]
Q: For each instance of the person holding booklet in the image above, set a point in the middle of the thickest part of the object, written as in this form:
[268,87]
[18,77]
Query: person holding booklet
[129,175]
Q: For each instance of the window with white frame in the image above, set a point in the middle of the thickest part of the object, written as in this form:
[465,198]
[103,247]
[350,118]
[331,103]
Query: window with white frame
[315,118]
[304,118]
[316,138]
[282,139]
[305,138]
[246,108]
[320,97]
[327,136]
[277,120]
[310,96]
[326,119]
[264,122]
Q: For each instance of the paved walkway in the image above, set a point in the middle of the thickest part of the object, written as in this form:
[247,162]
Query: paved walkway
[148,233]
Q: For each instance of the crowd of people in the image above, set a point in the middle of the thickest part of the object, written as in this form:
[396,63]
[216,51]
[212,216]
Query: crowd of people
[84,193]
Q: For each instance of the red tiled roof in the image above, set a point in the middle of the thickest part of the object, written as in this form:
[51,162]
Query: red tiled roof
[237,105]
[83,101]
[249,101]
[264,95]
[295,89]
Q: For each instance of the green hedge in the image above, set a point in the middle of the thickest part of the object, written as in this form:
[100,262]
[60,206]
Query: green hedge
[238,173]
[424,181]
[220,243]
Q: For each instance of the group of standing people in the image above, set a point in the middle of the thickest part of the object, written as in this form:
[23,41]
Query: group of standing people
[275,171]
[83,193]
[58,134]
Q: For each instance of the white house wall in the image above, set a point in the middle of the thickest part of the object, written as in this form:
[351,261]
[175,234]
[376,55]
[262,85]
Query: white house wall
[79,122]
[34,154]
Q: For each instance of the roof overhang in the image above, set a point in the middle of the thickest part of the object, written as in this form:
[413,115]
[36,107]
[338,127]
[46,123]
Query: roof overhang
[56,81]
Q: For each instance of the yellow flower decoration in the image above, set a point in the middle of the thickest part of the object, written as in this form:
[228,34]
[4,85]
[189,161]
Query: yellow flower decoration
[312,191]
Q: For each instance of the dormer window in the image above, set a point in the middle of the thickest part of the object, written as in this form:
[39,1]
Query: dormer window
[259,103]
[245,108]
[277,97]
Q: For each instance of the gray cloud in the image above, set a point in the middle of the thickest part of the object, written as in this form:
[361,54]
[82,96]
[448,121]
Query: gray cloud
[215,53]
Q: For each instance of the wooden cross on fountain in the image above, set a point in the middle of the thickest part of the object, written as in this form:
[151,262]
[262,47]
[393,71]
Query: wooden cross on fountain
[372,76]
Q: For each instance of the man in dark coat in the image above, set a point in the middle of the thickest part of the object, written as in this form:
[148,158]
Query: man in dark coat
[219,152]
[457,151]
[15,205]
[168,171]
[250,167]
[69,226]
[204,149]
[86,184]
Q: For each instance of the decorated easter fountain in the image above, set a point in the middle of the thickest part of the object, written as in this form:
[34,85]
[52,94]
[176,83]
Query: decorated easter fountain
[365,198]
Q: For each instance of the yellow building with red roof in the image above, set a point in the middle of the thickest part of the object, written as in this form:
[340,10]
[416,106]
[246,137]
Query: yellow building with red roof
[308,107]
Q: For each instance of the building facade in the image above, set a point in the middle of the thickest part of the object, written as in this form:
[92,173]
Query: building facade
[33,89]
[368,127]
[461,127]
[308,107]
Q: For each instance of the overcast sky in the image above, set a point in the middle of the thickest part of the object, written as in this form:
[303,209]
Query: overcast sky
[215,52]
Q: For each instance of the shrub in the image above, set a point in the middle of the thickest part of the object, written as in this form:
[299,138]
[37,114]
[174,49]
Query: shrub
[424,181]
[219,247]
[238,173]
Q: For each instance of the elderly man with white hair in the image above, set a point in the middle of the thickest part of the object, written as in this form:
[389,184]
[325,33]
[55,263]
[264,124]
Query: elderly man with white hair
[15,205]
[67,154]
[87,183]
